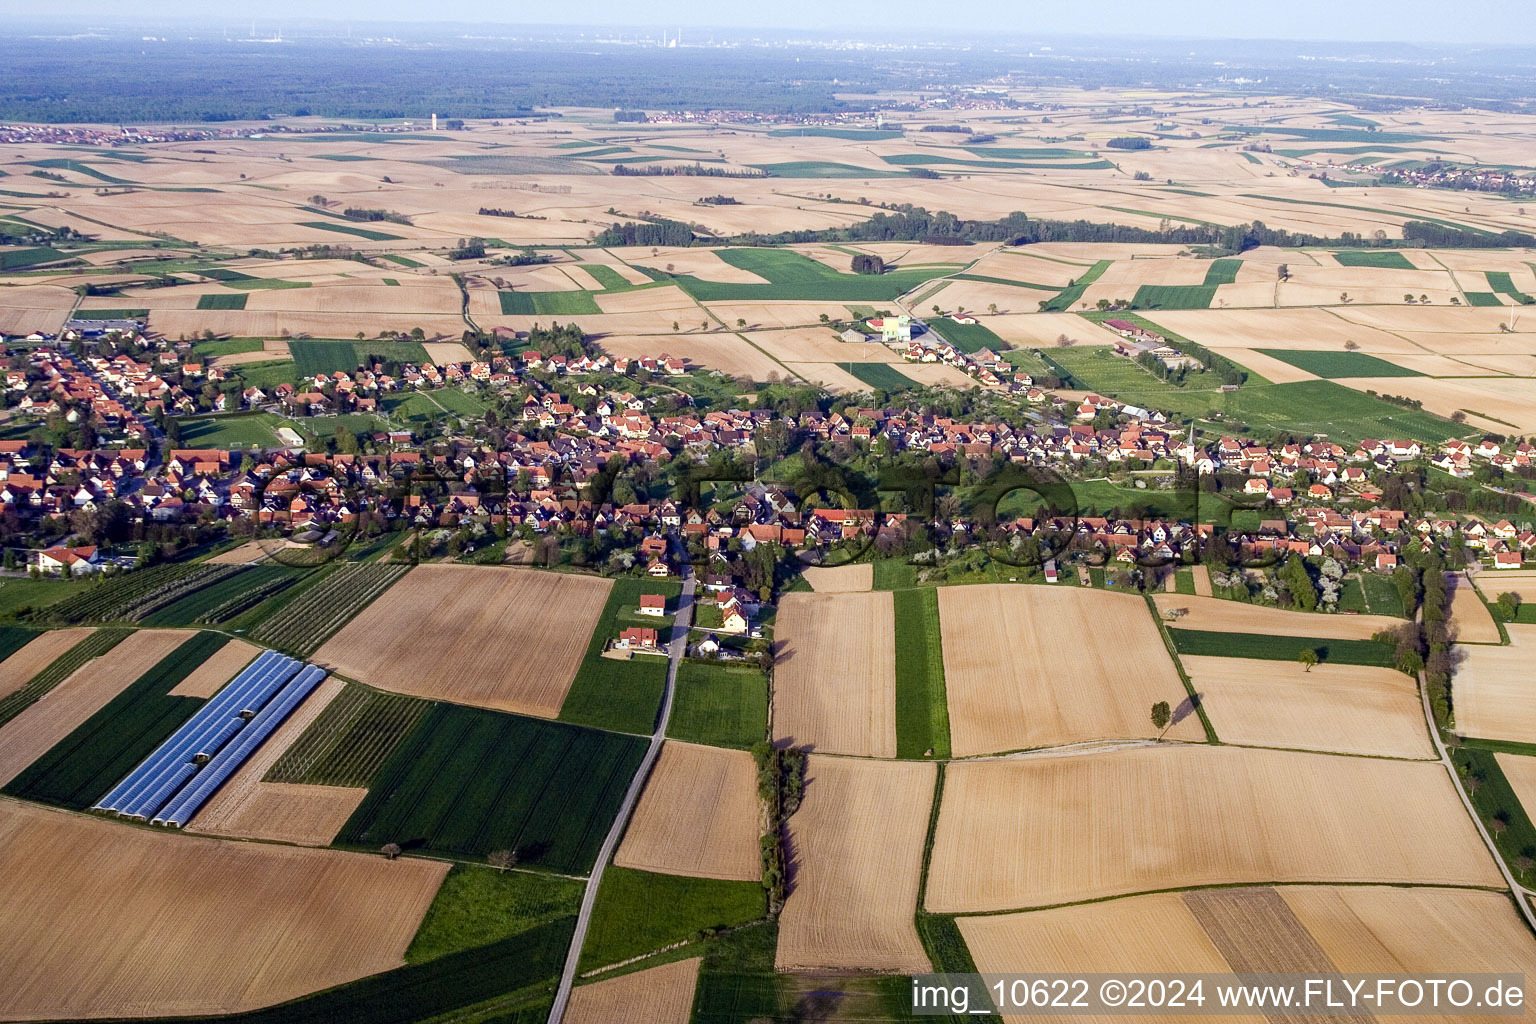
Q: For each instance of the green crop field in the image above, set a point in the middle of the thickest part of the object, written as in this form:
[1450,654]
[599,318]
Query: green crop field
[13,639]
[1483,299]
[93,646]
[256,284]
[350,740]
[1069,296]
[237,430]
[312,357]
[793,276]
[1385,259]
[467,782]
[222,597]
[824,169]
[640,912]
[880,375]
[65,164]
[1501,282]
[346,229]
[1280,648]
[1381,597]
[922,715]
[970,338]
[1174,296]
[19,258]
[548,303]
[610,279]
[1002,281]
[1223,272]
[1339,364]
[138,594]
[404,261]
[111,314]
[83,766]
[720,704]
[478,906]
[524,967]
[621,695]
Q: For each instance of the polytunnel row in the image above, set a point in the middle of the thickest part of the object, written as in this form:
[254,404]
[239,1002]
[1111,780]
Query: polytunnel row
[173,783]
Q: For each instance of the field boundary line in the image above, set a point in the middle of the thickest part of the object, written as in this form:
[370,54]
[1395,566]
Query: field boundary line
[1302,883]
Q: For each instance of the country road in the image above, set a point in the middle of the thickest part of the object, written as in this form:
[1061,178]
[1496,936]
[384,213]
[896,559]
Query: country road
[675,652]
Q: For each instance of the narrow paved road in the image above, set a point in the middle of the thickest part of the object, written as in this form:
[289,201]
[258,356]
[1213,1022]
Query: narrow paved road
[675,652]
[1516,889]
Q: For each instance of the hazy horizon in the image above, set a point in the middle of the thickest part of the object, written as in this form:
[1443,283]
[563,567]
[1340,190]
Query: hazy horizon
[1411,21]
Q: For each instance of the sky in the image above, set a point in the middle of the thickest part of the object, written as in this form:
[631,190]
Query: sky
[1425,21]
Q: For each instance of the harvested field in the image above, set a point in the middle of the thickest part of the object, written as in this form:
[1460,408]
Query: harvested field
[1040,666]
[857,843]
[841,579]
[308,919]
[17,670]
[1051,830]
[1493,403]
[469,634]
[657,995]
[647,300]
[1520,772]
[1202,577]
[1495,691]
[250,551]
[249,808]
[829,375]
[1509,581]
[209,677]
[820,345]
[447,352]
[728,353]
[1467,616]
[938,375]
[1214,614]
[1356,929]
[698,815]
[834,688]
[33,733]
[1351,709]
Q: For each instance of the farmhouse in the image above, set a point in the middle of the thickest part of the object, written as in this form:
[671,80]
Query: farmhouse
[65,561]
[637,638]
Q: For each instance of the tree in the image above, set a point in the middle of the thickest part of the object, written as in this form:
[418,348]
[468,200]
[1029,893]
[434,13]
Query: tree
[740,322]
[1408,297]
[1343,296]
[1351,345]
[992,308]
[501,860]
[825,318]
[675,326]
[1307,657]
[1283,272]
[936,309]
[390,850]
[1161,716]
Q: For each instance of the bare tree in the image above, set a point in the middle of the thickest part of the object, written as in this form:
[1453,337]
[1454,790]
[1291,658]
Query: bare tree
[501,860]
[1351,345]
[390,850]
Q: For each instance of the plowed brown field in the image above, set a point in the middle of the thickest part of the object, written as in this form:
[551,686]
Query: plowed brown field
[857,848]
[196,926]
[1041,666]
[1048,830]
[835,682]
[508,639]
[697,816]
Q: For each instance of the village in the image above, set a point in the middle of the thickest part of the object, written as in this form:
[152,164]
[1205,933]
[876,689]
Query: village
[577,427]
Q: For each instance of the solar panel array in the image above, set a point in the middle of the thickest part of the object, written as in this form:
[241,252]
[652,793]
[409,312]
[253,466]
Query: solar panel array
[174,782]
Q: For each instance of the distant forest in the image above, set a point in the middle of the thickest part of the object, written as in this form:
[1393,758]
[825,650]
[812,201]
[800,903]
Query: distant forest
[116,81]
